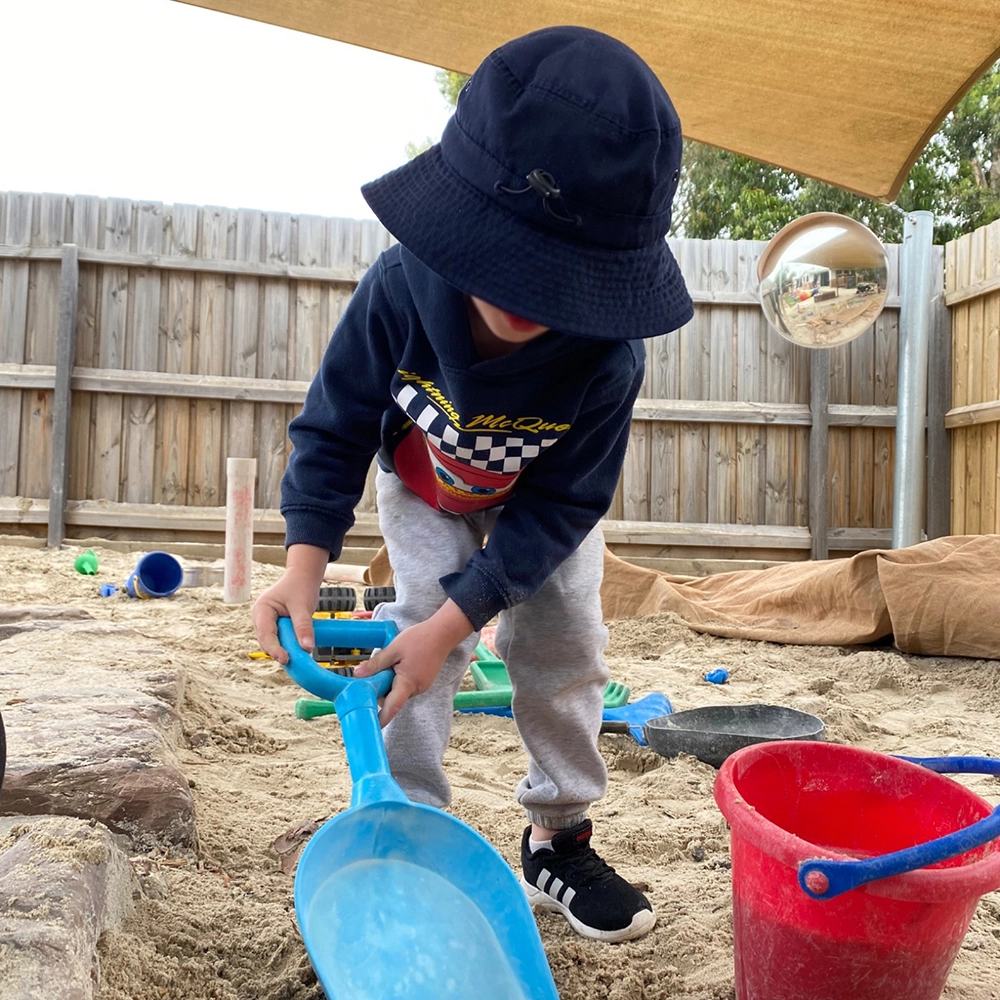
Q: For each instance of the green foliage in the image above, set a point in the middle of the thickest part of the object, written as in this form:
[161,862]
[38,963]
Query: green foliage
[723,194]
[957,177]
[450,84]
[413,149]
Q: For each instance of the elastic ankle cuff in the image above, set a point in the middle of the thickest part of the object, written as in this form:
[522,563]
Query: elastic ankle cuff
[550,822]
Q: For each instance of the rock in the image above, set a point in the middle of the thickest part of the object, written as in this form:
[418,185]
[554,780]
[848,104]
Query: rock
[16,628]
[42,612]
[100,754]
[84,627]
[63,883]
[94,739]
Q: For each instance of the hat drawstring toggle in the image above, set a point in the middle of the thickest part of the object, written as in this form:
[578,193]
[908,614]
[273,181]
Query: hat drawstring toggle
[542,182]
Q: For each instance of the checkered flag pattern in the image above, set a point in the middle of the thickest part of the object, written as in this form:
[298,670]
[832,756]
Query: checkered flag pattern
[504,453]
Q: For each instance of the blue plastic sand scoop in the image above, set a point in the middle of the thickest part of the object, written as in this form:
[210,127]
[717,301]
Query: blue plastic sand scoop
[395,899]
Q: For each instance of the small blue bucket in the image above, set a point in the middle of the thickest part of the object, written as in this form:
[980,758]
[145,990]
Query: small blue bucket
[156,574]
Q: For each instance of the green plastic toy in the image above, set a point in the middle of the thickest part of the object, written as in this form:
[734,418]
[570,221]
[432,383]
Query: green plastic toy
[86,563]
[493,689]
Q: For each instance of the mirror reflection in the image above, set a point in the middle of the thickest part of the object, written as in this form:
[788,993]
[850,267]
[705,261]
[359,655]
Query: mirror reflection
[823,280]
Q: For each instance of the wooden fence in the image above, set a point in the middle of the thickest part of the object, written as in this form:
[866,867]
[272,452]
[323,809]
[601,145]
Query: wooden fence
[972,266]
[189,334]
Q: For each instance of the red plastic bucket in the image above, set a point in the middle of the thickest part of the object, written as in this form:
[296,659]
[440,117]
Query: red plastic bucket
[789,802]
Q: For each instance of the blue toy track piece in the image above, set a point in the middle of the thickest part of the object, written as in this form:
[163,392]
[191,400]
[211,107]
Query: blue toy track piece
[636,714]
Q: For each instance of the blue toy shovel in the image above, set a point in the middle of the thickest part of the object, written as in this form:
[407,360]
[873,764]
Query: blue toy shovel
[634,715]
[395,899]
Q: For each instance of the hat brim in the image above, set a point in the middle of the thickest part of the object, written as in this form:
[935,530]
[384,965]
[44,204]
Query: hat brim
[469,239]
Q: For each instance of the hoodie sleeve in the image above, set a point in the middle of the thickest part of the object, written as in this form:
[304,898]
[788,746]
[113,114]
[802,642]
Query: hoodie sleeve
[558,500]
[337,433]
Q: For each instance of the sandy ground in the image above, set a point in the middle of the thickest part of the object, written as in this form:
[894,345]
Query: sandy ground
[218,924]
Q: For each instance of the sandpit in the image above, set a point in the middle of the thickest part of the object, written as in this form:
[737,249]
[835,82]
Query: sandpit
[217,923]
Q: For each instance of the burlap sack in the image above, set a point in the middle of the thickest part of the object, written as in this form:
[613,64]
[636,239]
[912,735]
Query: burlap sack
[938,598]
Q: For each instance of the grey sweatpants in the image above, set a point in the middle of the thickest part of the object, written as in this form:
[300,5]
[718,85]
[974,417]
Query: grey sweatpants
[552,644]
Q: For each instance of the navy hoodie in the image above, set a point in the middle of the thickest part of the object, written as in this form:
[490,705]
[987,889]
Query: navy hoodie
[541,432]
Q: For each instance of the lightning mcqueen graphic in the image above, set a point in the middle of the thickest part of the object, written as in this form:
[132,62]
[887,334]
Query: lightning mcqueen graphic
[458,471]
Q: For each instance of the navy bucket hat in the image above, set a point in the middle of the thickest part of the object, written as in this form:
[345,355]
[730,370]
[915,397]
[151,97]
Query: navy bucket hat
[549,194]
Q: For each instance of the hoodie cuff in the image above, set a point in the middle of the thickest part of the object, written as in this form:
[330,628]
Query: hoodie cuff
[479,597]
[304,526]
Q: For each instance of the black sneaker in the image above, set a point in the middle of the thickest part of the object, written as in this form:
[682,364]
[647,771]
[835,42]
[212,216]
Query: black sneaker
[575,881]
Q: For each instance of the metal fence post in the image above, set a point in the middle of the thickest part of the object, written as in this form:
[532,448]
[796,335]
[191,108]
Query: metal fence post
[911,409]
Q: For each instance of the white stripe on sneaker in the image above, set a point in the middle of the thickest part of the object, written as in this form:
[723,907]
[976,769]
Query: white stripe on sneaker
[555,887]
[642,923]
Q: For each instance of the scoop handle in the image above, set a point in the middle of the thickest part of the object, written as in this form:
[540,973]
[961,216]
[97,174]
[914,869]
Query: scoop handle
[824,879]
[353,633]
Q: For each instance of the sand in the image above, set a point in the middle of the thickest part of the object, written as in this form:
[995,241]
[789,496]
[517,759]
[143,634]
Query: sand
[218,923]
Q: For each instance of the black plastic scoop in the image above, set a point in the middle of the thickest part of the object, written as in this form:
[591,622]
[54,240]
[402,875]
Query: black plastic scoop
[711,734]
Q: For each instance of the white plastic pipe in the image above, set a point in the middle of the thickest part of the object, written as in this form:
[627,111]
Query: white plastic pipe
[911,386]
[241,474]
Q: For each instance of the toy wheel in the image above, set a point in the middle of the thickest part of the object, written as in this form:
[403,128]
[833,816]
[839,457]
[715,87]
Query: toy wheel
[340,654]
[337,599]
[374,596]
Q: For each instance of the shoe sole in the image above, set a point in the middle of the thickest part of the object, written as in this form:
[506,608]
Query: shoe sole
[642,923]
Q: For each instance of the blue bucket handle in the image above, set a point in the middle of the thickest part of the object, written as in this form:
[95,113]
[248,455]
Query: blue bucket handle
[823,879]
[356,699]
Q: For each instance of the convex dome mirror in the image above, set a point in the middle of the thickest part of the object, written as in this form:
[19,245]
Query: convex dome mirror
[823,280]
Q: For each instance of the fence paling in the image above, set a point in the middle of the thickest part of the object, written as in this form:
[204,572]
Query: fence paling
[938,404]
[173,416]
[13,334]
[213,317]
[819,452]
[61,407]
[973,292]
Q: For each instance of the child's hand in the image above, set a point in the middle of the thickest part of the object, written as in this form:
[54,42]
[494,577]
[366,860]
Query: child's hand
[294,596]
[417,655]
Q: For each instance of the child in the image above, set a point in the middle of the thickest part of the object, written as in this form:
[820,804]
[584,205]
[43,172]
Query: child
[491,360]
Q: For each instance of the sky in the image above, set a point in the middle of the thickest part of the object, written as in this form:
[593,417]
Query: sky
[156,100]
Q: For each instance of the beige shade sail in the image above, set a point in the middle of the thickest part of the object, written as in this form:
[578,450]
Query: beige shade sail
[847,91]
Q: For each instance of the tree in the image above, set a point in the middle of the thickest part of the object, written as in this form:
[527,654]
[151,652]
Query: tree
[957,177]
[725,195]
[971,133]
[450,84]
